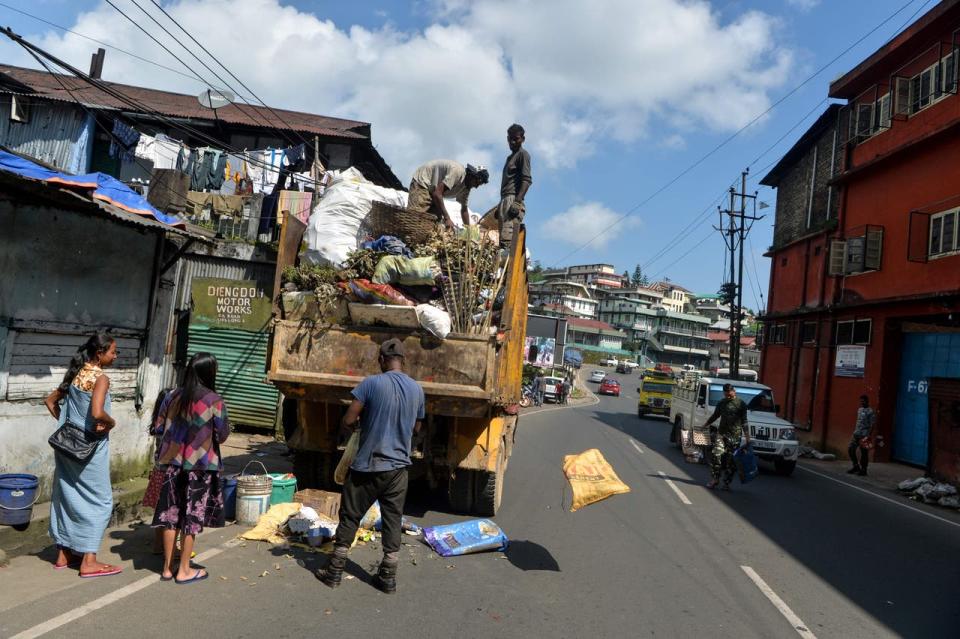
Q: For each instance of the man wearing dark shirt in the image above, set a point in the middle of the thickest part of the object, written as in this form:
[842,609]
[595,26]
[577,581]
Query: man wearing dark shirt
[513,188]
[390,407]
[732,413]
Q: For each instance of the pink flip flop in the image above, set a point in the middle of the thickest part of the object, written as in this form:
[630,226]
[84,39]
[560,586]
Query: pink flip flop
[103,572]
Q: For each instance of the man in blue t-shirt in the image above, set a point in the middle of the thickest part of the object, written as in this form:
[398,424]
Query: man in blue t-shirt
[390,407]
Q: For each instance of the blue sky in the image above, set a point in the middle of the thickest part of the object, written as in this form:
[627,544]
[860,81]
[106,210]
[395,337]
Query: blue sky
[618,97]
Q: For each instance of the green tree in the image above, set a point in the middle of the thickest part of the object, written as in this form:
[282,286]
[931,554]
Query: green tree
[637,276]
[535,272]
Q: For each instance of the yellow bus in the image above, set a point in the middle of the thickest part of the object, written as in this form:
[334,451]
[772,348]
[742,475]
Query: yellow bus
[656,389]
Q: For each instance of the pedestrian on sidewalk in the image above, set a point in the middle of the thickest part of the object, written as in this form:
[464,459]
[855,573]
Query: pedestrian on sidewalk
[866,417]
[389,407]
[193,423]
[82,499]
[564,390]
[732,413]
[155,482]
[539,386]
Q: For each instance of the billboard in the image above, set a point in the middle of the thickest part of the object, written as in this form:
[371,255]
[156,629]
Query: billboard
[540,351]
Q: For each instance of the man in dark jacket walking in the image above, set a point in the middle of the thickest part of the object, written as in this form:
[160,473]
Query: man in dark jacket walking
[390,407]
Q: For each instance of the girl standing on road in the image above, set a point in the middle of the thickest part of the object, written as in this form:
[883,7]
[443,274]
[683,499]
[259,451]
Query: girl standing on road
[82,494]
[193,423]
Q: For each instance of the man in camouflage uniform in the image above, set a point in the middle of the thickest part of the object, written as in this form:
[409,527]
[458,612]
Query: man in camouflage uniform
[732,413]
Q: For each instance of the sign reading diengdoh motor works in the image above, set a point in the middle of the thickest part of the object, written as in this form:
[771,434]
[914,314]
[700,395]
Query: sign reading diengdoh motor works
[229,303]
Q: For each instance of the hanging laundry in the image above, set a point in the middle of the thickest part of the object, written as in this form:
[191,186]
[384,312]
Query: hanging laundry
[264,169]
[218,166]
[296,203]
[220,205]
[161,151]
[295,154]
[123,142]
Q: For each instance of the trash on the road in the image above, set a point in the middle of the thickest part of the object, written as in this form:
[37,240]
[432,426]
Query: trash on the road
[746,462]
[475,535]
[943,490]
[591,478]
[409,527]
[270,525]
[303,521]
[322,501]
[807,451]
[910,485]
[372,520]
[925,492]
[949,502]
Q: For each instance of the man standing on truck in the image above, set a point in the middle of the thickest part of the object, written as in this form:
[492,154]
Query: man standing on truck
[390,407]
[514,185]
[861,437]
[440,179]
[732,413]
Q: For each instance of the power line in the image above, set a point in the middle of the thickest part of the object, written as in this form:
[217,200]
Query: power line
[100,42]
[289,139]
[736,133]
[223,66]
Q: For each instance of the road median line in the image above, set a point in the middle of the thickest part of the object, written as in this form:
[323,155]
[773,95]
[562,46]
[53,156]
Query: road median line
[778,603]
[675,489]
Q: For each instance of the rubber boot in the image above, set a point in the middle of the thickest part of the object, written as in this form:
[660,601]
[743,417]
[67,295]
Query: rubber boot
[332,574]
[386,578]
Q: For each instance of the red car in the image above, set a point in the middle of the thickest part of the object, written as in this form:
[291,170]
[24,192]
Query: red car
[610,387]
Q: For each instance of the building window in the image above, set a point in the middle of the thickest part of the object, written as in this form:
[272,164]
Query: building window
[809,333]
[778,334]
[859,253]
[856,331]
[943,233]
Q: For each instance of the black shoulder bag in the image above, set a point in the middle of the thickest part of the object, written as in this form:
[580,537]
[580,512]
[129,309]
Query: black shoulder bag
[75,442]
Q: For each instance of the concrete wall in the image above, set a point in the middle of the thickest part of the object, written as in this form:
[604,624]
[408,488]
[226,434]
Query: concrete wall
[67,274]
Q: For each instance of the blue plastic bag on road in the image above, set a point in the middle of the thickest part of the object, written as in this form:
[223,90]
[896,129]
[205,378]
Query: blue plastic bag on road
[466,537]
[746,462]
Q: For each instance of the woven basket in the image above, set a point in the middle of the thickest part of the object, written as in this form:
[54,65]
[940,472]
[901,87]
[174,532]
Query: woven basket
[410,226]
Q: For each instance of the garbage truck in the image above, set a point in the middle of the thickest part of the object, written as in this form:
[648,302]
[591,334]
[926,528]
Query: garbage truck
[472,385]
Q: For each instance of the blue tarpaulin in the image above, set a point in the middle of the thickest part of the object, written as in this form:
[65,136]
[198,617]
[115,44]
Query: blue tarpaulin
[104,187]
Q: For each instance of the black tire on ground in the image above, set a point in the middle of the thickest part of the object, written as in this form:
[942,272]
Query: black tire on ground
[641,413]
[784,467]
[490,487]
[675,433]
[460,490]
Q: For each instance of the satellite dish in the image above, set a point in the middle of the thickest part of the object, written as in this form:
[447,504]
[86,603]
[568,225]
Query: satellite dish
[216,98]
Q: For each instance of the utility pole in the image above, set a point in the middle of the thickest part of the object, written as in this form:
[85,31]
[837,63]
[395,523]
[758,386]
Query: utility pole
[734,235]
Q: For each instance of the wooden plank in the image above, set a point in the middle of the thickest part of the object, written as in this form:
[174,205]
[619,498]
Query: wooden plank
[68,328]
[59,371]
[349,381]
[291,234]
[59,360]
[383,315]
[52,339]
[63,350]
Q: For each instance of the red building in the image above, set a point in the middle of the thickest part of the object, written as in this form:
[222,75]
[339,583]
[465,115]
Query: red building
[865,278]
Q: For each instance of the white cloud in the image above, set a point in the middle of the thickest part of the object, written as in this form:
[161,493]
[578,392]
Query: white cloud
[803,5]
[589,220]
[575,75]
[675,142]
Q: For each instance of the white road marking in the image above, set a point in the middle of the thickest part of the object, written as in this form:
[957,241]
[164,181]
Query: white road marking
[779,604]
[113,597]
[870,492]
[672,485]
[637,446]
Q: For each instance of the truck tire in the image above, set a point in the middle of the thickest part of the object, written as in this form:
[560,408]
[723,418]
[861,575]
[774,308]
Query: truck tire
[460,491]
[784,467]
[640,412]
[675,433]
[490,487]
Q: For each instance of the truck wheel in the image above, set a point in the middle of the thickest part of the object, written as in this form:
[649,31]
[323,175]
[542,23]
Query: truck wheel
[675,434]
[640,413]
[784,467]
[460,491]
[491,487]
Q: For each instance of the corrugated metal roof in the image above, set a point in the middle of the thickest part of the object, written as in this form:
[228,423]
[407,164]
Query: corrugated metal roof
[50,134]
[44,85]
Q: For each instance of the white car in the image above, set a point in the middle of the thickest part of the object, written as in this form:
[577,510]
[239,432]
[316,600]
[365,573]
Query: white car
[597,376]
[609,362]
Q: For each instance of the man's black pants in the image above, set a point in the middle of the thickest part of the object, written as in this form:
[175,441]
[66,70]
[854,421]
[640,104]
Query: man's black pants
[359,492]
[864,455]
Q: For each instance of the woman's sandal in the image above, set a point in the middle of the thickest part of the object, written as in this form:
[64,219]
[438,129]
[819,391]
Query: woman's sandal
[104,571]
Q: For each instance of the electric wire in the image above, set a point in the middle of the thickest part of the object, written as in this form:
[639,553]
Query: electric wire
[736,133]
[100,42]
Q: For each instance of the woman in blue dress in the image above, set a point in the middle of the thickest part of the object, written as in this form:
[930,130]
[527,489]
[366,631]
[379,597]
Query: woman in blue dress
[82,494]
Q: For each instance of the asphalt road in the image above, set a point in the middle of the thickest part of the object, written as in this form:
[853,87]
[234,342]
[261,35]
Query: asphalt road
[835,561]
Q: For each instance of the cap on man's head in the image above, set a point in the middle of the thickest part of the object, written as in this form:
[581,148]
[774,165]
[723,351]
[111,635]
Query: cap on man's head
[481,173]
[392,348]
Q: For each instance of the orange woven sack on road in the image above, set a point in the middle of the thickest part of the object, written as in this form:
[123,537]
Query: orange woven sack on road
[591,478]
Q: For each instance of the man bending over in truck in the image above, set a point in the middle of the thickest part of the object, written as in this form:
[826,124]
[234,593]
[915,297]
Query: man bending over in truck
[440,179]
[390,407]
[732,413]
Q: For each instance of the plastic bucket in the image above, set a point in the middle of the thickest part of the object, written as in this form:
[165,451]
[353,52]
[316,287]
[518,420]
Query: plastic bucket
[228,488]
[18,494]
[253,496]
[284,487]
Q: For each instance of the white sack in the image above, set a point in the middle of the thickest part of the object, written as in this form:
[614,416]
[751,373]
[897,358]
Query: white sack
[434,320]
